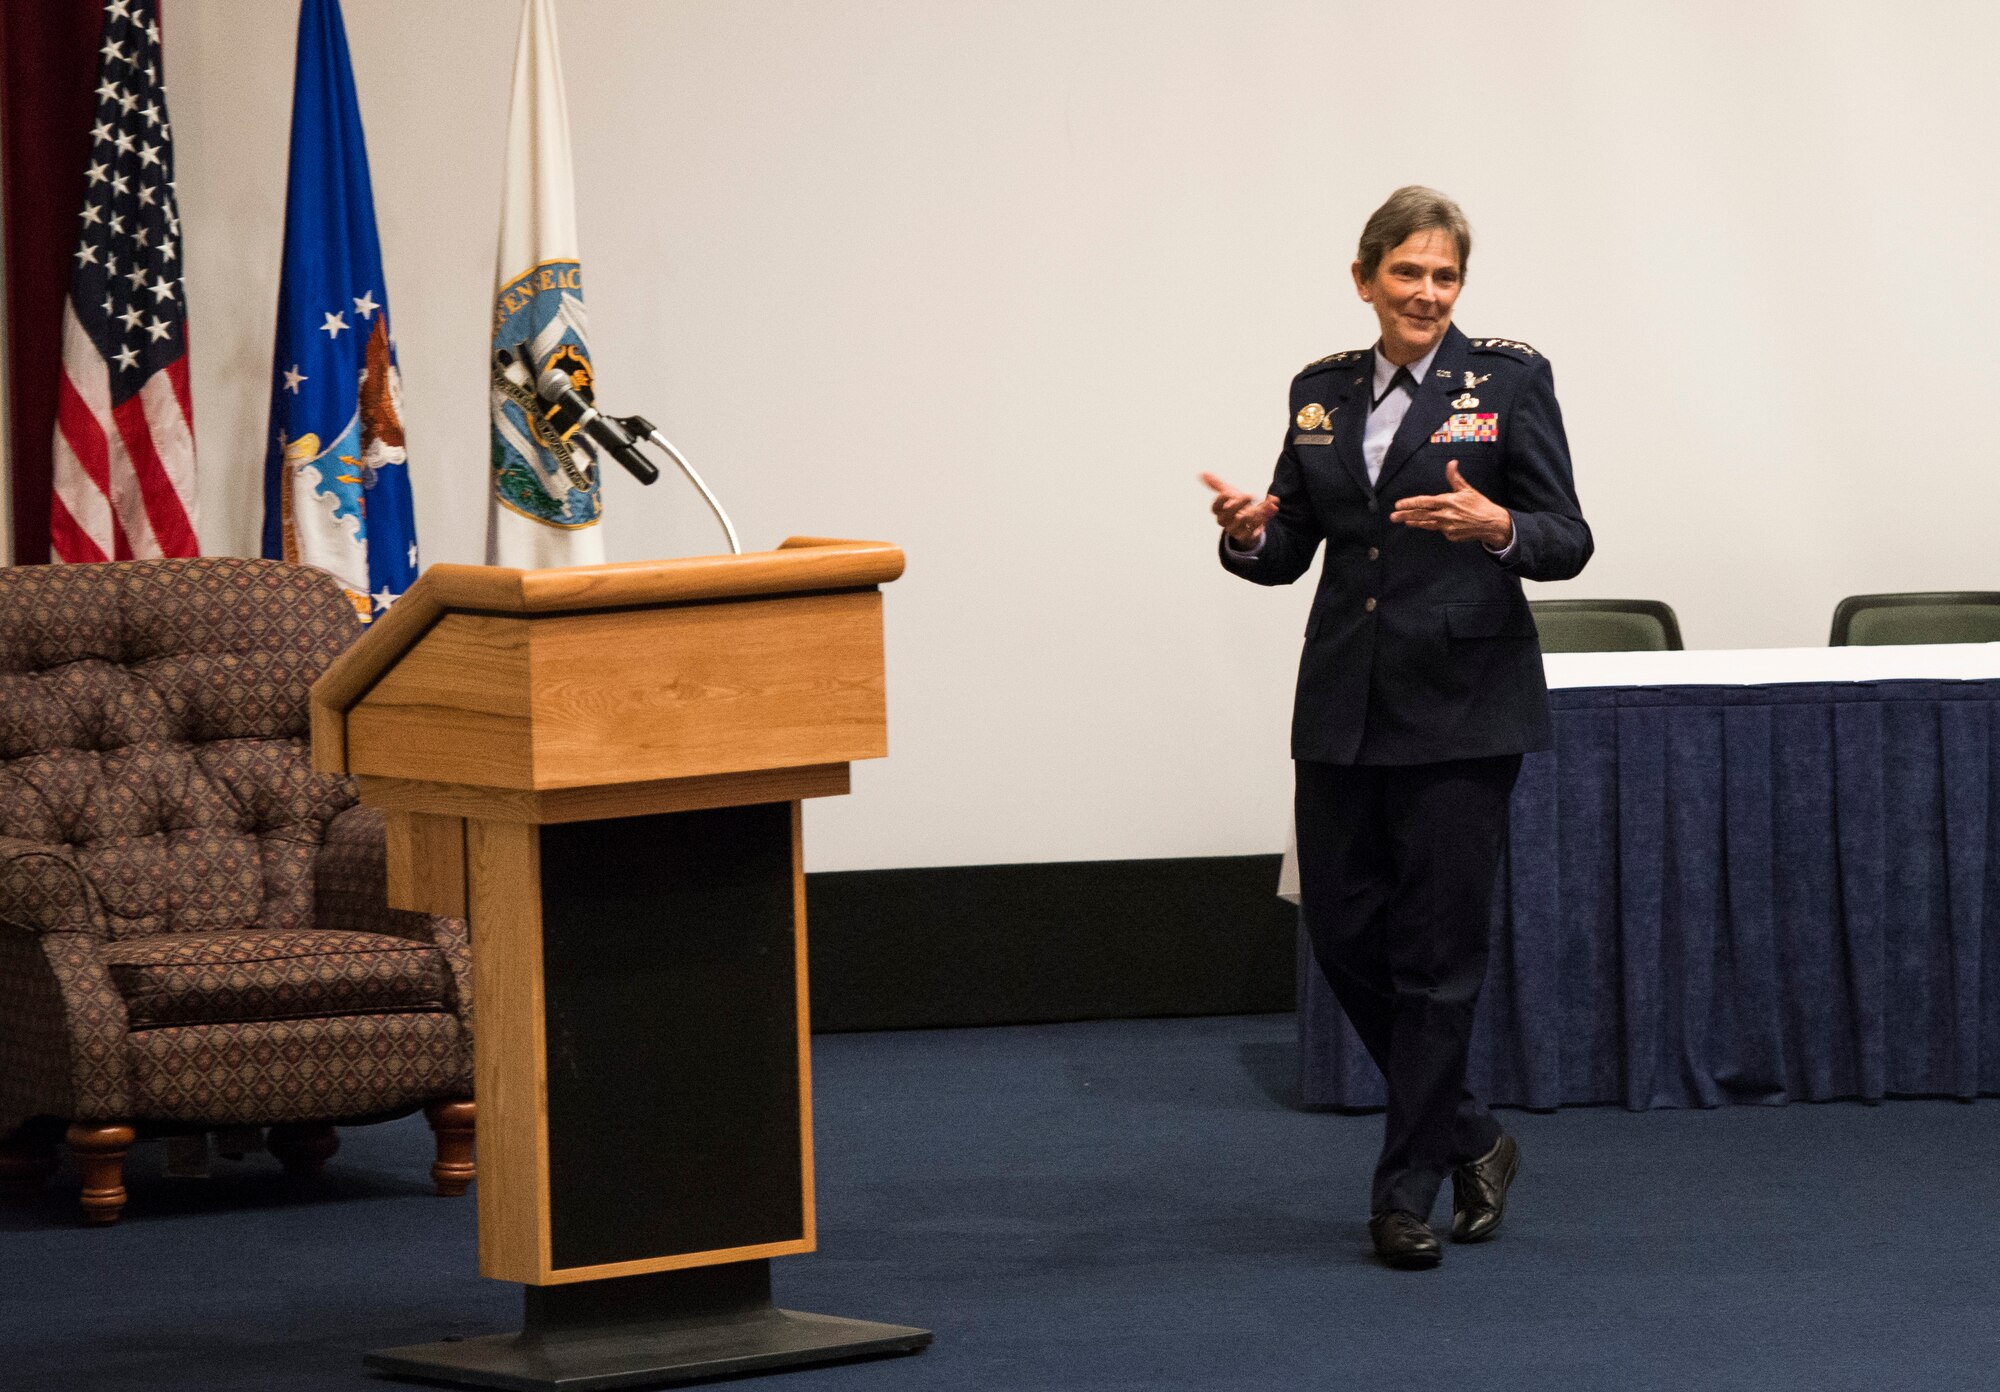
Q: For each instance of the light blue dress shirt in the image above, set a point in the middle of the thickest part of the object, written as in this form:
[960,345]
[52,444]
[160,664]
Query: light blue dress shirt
[1384,418]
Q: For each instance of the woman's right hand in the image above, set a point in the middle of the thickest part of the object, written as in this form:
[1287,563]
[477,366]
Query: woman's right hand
[1239,514]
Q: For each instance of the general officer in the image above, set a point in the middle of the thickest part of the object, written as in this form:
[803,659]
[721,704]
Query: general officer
[1435,469]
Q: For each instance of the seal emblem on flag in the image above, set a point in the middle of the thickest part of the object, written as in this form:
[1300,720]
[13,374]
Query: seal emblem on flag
[540,471]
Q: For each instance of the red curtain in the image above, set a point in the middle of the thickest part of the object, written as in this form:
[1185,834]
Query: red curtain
[48,95]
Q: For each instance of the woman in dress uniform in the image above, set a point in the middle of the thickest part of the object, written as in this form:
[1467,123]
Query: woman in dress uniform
[1435,470]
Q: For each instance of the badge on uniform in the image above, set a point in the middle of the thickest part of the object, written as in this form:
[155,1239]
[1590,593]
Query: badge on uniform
[1314,416]
[1465,428]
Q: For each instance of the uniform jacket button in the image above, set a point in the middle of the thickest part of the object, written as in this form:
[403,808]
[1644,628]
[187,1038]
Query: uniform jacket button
[1370,605]
[1374,553]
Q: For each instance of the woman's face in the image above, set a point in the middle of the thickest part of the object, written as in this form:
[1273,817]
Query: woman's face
[1413,291]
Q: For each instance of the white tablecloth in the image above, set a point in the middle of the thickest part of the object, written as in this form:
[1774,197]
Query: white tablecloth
[1744,667]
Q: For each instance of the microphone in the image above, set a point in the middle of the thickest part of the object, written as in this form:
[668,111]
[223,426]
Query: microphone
[554,386]
[618,435]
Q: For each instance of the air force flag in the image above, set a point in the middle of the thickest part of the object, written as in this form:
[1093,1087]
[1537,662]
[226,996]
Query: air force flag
[336,475]
[546,499]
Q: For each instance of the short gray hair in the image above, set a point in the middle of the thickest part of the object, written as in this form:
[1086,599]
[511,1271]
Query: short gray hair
[1410,210]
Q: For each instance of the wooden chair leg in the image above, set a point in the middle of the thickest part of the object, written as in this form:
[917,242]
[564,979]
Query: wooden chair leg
[27,1159]
[303,1147]
[451,1122]
[101,1150]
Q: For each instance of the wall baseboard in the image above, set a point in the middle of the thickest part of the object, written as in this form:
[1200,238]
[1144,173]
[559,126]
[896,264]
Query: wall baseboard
[1049,941]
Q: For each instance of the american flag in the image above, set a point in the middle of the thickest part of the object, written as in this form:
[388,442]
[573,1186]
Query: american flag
[124,448]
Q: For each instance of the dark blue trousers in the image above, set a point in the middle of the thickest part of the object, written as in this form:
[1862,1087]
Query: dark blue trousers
[1396,872]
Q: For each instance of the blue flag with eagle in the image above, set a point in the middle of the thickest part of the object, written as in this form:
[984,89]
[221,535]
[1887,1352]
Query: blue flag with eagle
[336,475]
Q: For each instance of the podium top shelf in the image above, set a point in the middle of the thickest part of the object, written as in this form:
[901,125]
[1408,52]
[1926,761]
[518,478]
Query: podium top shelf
[800,564]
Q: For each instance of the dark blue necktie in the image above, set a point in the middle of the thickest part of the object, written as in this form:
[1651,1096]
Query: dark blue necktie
[1401,379]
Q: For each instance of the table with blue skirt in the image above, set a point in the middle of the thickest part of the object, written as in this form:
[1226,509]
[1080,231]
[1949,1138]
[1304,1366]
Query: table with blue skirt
[1758,876]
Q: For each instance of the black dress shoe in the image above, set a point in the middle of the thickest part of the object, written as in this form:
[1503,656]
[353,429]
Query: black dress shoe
[1404,1240]
[1479,1191]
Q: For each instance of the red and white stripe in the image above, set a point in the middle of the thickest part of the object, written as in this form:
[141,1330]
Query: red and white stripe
[124,476]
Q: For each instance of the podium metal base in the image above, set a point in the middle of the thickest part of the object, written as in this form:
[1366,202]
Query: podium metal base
[648,1331]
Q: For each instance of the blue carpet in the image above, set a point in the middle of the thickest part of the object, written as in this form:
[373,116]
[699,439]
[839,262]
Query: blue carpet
[1131,1205]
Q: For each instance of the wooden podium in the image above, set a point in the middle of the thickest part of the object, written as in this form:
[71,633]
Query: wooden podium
[601,768]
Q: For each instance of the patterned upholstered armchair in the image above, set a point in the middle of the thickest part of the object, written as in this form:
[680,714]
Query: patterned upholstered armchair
[194,932]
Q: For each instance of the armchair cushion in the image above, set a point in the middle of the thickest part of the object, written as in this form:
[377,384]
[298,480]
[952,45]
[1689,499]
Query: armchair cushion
[214,978]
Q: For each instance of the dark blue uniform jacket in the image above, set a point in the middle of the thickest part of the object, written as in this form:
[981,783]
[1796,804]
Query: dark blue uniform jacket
[1421,649]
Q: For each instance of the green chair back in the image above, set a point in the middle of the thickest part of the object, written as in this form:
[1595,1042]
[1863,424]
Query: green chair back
[1945,616]
[1606,625]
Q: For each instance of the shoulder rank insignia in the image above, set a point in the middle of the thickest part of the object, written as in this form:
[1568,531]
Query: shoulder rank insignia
[1502,345]
[1352,355]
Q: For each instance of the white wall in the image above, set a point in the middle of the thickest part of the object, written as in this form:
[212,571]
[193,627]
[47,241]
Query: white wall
[995,280]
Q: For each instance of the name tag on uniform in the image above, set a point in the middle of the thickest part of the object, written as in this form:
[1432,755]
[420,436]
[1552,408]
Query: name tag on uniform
[1312,439]
[1466,428]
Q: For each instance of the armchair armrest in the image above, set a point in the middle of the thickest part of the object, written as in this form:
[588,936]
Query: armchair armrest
[351,893]
[62,1022]
[44,890]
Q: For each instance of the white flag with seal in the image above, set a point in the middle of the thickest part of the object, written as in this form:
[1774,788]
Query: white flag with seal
[546,499]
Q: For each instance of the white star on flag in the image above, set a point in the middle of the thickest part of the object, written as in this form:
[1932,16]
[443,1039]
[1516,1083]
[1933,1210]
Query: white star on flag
[334,324]
[158,330]
[130,318]
[413,553]
[366,306]
[86,254]
[163,289]
[383,599]
[97,174]
[93,215]
[292,379]
[128,357]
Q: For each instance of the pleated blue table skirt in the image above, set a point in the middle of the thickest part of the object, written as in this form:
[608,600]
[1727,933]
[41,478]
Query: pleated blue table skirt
[1735,894]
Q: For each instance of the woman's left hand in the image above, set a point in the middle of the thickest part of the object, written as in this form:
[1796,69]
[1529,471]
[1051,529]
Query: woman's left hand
[1464,514]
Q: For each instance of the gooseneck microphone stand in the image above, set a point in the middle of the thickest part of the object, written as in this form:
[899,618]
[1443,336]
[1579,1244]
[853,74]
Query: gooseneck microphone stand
[646,430]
